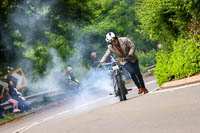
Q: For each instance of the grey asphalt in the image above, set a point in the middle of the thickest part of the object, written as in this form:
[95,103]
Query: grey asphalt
[175,111]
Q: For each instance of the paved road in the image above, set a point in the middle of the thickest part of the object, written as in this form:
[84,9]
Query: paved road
[175,110]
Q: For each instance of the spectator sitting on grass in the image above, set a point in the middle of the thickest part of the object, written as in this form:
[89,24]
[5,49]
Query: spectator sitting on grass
[23,106]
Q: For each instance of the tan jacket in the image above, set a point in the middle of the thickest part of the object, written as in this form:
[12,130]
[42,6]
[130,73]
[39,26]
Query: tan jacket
[128,49]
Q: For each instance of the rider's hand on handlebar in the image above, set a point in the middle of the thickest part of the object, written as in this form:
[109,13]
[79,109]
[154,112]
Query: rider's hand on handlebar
[128,57]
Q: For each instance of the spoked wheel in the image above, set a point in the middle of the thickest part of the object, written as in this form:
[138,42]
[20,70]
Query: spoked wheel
[122,88]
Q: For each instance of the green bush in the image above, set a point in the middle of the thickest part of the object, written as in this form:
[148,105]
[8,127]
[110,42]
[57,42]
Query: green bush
[183,61]
[165,20]
[147,59]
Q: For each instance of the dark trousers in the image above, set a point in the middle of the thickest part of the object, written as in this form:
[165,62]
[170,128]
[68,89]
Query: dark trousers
[1,112]
[134,70]
[23,106]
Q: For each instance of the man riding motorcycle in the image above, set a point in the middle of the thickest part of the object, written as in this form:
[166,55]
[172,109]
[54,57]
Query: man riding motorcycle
[125,50]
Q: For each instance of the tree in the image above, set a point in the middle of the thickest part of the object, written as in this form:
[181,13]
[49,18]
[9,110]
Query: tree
[117,16]
[174,23]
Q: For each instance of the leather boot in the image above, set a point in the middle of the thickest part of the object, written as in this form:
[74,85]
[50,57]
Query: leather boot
[140,90]
[145,91]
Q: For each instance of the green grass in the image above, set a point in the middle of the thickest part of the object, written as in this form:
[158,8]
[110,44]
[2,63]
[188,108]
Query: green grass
[9,117]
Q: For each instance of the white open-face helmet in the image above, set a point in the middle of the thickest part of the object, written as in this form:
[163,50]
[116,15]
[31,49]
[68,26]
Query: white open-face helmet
[110,36]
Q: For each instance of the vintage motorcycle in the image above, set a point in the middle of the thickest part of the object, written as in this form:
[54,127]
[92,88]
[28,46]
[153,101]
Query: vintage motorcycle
[119,84]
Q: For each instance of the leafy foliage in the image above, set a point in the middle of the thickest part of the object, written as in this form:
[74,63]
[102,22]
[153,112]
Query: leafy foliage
[34,27]
[183,61]
[165,20]
[147,59]
[31,28]
[175,24]
[117,16]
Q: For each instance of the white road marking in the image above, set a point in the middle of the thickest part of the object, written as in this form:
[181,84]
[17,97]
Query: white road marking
[175,88]
[150,82]
[152,91]
[25,128]
[21,130]
[83,105]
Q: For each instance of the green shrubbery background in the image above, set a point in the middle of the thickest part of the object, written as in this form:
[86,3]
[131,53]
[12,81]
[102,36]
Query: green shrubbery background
[72,33]
[183,61]
[146,59]
[176,25]
[173,23]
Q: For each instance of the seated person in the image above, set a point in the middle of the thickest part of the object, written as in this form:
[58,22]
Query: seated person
[23,106]
[8,99]
[70,76]
[69,81]
[94,60]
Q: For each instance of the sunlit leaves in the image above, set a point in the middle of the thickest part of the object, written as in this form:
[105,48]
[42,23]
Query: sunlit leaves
[182,62]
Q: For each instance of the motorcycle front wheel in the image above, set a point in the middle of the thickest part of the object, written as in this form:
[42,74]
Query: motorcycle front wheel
[121,88]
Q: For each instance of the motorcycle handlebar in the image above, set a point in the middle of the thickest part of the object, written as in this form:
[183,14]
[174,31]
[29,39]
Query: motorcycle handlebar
[110,63]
